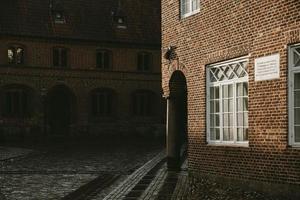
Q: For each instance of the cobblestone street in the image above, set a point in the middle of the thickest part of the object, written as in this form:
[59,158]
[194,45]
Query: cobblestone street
[54,170]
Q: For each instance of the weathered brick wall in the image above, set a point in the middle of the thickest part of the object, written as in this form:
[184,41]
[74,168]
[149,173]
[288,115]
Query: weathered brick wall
[82,77]
[224,30]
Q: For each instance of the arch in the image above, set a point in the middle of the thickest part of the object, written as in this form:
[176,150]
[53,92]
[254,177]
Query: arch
[176,120]
[60,109]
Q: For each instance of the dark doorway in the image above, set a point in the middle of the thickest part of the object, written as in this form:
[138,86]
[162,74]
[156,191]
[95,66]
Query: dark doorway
[60,110]
[177,121]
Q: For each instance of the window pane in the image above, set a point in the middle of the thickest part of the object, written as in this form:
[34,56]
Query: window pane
[242,134]
[297,81]
[185,6]
[227,91]
[19,56]
[217,106]
[227,120]
[297,99]
[240,119]
[227,134]
[64,58]
[228,105]
[297,116]
[214,106]
[55,57]
[242,104]
[297,133]
[242,89]
[99,60]
[106,60]
[140,62]
[215,134]
[195,5]
[296,58]
[10,55]
[146,62]
[214,120]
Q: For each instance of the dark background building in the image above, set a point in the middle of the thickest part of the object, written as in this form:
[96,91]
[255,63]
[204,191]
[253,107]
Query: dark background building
[80,68]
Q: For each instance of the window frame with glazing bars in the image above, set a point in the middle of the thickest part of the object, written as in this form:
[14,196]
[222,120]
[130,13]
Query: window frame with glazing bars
[191,11]
[60,63]
[234,79]
[15,60]
[294,68]
[106,61]
[16,103]
[142,65]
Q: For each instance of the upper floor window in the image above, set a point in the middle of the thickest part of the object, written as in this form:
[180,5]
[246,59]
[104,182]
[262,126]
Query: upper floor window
[144,61]
[102,102]
[294,95]
[119,18]
[104,59]
[120,21]
[189,7]
[15,55]
[227,102]
[57,11]
[143,102]
[59,17]
[60,57]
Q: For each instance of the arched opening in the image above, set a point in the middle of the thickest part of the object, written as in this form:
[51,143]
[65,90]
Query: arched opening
[177,121]
[60,105]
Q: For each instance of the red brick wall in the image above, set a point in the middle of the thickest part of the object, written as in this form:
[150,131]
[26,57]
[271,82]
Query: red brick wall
[224,30]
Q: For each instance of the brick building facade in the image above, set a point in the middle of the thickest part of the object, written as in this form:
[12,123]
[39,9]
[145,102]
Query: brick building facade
[234,64]
[80,67]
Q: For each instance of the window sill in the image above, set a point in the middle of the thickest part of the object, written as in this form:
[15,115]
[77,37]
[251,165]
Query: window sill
[190,14]
[295,146]
[244,144]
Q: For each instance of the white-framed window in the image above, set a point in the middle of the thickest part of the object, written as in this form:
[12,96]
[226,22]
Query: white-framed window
[189,7]
[227,102]
[294,95]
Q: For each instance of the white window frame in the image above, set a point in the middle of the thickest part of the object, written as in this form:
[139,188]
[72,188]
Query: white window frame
[192,12]
[234,82]
[292,70]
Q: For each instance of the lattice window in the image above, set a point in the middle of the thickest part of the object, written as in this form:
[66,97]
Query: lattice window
[227,102]
[296,57]
[228,71]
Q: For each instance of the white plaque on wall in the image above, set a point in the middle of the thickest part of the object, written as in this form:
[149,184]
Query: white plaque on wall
[267,68]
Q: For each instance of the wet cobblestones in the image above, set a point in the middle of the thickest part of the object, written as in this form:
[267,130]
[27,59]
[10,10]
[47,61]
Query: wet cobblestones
[53,171]
[7,153]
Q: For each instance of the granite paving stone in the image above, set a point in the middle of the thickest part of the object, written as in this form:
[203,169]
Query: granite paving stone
[55,170]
